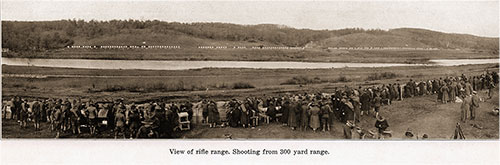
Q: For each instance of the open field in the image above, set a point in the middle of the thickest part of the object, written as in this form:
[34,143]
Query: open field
[141,85]
[309,55]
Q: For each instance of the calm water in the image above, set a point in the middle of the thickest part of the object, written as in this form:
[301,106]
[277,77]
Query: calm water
[184,65]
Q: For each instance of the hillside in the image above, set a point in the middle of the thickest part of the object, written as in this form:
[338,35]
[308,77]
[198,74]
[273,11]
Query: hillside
[47,35]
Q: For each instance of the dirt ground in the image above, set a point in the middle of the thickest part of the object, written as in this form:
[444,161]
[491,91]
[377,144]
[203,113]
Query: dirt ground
[422,114]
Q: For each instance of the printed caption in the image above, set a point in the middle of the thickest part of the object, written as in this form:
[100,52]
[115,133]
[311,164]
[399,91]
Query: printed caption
[254,152]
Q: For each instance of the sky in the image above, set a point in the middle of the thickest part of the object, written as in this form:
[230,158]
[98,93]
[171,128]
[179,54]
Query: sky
[479,18]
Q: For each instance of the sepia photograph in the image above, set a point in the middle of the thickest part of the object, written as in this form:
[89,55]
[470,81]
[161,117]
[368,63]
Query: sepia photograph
[250,70]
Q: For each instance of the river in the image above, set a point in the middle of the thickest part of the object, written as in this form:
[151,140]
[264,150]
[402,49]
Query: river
[185,65]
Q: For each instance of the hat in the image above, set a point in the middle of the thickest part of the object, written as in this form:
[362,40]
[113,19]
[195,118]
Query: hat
[380,118]
[148,122]
[408,133]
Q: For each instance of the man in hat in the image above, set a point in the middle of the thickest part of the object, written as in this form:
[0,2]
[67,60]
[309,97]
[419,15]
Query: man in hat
[213,114]
[325,114]
[347,127]
[409,134]
[474,105]
[244,115]
[271,111]
[314,116]
[92,117]
[133,120]
[293,113]
[75,117]
[465,107]
[36,109]
[381,124]
[377,102]
[146,130]
[120,123]
[57,119]
[304,115]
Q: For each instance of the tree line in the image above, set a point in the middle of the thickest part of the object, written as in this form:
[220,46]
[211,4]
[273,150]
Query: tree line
[46,35]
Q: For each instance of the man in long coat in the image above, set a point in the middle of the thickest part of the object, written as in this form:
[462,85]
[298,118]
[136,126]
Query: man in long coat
[444,93]
[474,105]
[244,115]
[212,114]
[325,115]
[453,91]
[466,104]
[292,115]
[314,116]
[285,108]
[304,116]
[365,102]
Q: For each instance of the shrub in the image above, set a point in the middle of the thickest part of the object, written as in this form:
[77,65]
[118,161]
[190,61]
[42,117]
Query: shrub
[242,85]
[380,76]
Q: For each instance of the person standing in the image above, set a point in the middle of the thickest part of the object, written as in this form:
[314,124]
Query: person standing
[474,105]
[57,119]
[92,117]
[244,115]
[452,91]
[212,114]
[271,111]
[365,102]
[17,109]
[314,119]
[491,86]
[292,115]
[325,111]
[304,115]
[37,114]
[444,92]
[466,104]
[377,102]
[75,115]
[285,110]
[356,107]
[120,123]
[234,114]
[468,88]
[24,113]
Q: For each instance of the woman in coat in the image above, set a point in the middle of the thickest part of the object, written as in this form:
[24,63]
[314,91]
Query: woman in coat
[285,110]
[271,111]
[244,115]
[212,114]
[234,115]
[304,115]
[292,116]
[444,92]
[314,119]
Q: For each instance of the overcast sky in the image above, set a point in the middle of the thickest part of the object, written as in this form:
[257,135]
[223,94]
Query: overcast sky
[477,18]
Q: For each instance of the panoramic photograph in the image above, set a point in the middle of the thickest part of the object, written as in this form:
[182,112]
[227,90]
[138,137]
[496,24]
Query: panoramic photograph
[251,70]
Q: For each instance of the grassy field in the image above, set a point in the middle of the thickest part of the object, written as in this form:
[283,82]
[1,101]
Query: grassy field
[141,85]
[311,55]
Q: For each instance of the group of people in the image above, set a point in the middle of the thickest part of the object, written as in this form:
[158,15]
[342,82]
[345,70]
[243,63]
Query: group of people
[316,111]
[149,120]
